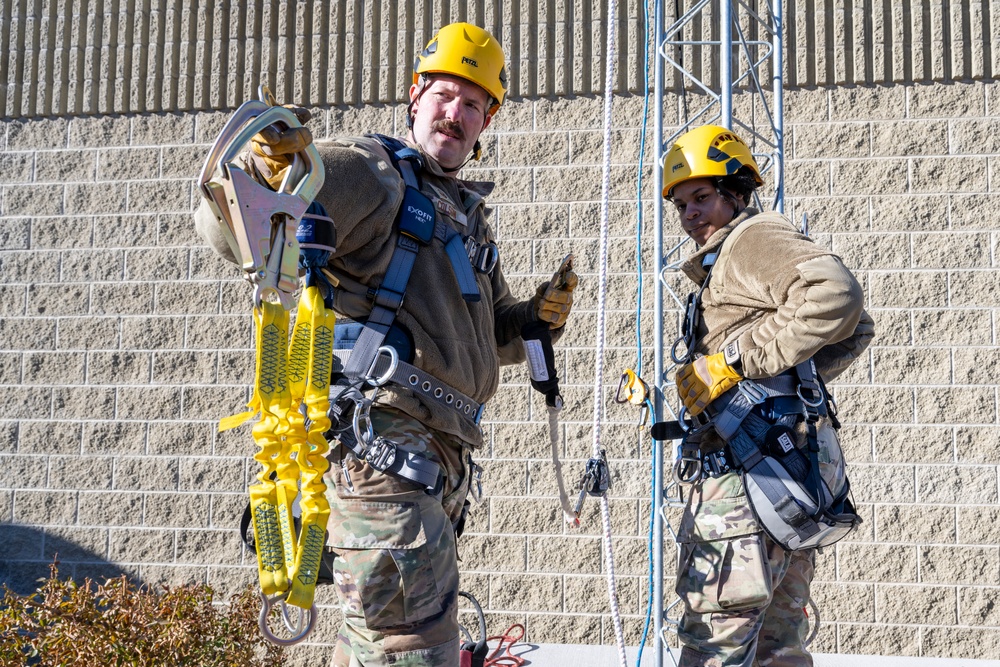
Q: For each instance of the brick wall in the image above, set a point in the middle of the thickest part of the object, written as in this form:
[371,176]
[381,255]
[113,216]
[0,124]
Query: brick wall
[123,340]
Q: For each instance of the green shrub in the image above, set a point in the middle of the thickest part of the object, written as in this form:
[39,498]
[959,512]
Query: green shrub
[64,624]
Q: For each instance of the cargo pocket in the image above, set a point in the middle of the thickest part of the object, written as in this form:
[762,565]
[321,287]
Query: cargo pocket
[384,570]
[724,575]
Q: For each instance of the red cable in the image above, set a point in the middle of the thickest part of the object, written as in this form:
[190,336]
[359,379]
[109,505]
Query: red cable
[502,657]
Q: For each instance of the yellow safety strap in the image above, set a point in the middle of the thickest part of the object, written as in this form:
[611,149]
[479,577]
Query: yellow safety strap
[289,373]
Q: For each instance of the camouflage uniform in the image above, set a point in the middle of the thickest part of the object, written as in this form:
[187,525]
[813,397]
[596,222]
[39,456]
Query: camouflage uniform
[744,595]
[393,553]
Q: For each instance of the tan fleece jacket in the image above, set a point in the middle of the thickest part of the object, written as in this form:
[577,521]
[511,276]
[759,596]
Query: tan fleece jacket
[460,343]
[781,296]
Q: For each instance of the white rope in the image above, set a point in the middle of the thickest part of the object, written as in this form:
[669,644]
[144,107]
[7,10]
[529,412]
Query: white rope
[599,345]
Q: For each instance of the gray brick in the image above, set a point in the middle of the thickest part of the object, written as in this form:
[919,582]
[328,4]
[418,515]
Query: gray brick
[65,166]
[160,196]
[113,368]
[493,553]
[865,251]
[844,602]
[114,437]
[27,333]
[952,251]
[518,592]
[156,264]
[885,483]
[95,198]
[128,164]
[176,510]
[33,403]
[975,288]
[957,485]
[182,161]
[64,232]
[73,545]
[572,554]
[82,333]
[979,606]
[146,474]
[82,402]
[952,327]
[110,508]
[204,546]
[40,508]
[836,140]
[131,298]
[124,231]
[909,212]
[961,642]
[187,298]
[176,230]
[973,211]
[21,542]
[13,299]
[885,405]
[913,444]
[904,138]
[968,443]
[16,167]
[978,525]
[913,289]
[950,174]
[960,99]
[956,405]
[877,563]
[876,176]
[98,131]
[32,200]
[933,605]
[960,565]
[220,332]
[149,402]
[212,474]
[867,102]
[152,333]
[92,265]
[164,128]
[51,368]
[24,472]
[75,472]
[141,546]
[15,233]
[37,134]
[49,437]
[9,433]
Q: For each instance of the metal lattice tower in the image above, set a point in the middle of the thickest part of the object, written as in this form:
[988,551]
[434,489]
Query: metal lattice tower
[719,62]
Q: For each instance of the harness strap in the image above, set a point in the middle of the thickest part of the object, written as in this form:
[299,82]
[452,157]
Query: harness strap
[386,457]
[416,379]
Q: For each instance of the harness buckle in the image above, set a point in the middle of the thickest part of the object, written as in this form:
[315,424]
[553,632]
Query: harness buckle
[752,391]
[381,454]
[716,463]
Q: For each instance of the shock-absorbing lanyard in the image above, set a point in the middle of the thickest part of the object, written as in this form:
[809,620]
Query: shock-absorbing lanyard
[290,375]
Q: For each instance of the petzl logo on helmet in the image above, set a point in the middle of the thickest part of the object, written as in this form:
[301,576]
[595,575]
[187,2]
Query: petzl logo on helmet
[469,61]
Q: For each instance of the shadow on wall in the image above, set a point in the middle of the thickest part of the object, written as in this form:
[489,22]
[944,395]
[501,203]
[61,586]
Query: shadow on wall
[29,552]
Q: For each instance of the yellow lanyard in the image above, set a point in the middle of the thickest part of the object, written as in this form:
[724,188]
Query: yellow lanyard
[288,374]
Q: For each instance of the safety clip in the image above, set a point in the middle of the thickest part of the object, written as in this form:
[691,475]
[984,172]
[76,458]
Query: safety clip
[636,392]
[596,480]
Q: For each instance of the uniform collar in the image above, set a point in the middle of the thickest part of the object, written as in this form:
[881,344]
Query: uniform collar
[481,188]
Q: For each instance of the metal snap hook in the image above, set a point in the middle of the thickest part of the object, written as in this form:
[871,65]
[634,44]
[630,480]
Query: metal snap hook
[362,413]
[302,628]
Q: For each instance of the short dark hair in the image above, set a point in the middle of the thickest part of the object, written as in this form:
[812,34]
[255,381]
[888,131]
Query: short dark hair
[741,184]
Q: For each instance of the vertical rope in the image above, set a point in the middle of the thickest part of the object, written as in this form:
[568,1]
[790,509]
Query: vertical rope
[601,308]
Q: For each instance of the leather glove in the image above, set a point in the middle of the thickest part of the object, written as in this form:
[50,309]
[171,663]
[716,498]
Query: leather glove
[704,380]
[274,147]
[554,298]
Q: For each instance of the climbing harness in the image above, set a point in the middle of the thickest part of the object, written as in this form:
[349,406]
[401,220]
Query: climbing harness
[756,419]
[367,355]
[292,376]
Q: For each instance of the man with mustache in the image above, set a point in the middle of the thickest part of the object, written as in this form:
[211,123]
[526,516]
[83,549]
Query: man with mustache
[393,528]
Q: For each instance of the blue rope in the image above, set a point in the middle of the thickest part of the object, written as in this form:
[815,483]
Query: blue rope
[638,320]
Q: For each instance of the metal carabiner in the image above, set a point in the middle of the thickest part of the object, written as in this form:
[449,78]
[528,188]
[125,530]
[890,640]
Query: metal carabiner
[677,359]
[636,390]
[695,465]
[381,380]
[363,406]
[300,630]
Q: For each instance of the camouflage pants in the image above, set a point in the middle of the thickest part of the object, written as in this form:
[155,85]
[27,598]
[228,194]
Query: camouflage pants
[744,595]
[395,562]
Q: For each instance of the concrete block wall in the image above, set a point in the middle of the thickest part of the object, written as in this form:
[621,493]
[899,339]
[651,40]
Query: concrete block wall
[124,339]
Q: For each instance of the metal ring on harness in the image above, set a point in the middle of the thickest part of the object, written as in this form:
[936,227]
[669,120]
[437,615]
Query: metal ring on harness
[385,377]
[673,350]
[363,407]
[300,631]
[694,463]
[816,404]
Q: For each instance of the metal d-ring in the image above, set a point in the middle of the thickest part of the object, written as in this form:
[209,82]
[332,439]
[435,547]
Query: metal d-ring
[387,375]
[819,401]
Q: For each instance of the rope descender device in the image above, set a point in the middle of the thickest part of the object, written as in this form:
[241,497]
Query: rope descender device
[632,389]
[291,387]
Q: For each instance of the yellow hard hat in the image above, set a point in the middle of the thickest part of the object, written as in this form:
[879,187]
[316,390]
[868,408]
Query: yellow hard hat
[708,151]
[469,52]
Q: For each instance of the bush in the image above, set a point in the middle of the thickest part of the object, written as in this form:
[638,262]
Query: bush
[64,624]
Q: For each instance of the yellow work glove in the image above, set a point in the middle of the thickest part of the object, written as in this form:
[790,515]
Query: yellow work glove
[554,298]
[704,380]
[275,147]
